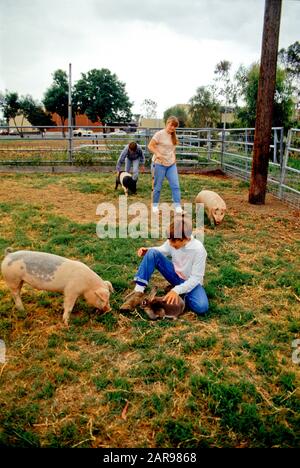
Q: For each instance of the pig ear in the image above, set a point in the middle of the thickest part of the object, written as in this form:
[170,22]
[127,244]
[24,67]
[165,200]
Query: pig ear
[109,285]
[101,294]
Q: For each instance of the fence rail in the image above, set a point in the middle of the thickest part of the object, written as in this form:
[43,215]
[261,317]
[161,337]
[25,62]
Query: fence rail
[231,149]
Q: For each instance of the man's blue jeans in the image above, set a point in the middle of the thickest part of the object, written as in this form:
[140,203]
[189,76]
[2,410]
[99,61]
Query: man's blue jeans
[196,300]
[170,172]
[135,167]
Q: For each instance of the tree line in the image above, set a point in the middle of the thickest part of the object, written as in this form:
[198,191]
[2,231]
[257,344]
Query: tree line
[238,94]
[98,94]
[103,98]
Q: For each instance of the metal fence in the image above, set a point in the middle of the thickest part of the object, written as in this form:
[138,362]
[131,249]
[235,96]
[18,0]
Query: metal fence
[289,183]
[235,158]
[230,149]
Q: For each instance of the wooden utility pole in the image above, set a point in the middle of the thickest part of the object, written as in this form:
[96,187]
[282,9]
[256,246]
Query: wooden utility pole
[265,99]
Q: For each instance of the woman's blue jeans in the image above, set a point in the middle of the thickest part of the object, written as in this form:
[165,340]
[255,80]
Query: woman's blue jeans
[170,172]
[196,300]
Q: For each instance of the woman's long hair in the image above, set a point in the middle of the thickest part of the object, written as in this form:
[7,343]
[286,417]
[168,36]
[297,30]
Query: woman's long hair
[175,121]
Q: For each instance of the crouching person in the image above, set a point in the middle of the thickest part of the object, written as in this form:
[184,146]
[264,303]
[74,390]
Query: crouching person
[185,271]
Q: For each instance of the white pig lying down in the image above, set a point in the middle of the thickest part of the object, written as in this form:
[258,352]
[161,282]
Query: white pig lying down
[50,272]
[214,205]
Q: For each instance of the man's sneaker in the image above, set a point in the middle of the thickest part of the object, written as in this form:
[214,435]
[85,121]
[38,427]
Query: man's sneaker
[133,300]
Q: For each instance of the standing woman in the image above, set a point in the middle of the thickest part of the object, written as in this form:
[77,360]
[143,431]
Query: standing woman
[163,146]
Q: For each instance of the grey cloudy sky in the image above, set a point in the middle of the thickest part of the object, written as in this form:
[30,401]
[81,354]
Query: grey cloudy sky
[161,49]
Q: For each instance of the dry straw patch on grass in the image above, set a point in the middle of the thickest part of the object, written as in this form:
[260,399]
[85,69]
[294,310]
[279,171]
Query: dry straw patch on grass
[63,201]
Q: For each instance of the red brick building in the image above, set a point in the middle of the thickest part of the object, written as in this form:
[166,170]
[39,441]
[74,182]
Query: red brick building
[81,120]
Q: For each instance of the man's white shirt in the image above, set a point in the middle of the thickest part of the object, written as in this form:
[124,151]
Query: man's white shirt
[189,263]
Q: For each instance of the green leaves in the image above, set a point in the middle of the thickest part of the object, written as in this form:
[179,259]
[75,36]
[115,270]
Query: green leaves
[102,97]
[204,108]
[56,97]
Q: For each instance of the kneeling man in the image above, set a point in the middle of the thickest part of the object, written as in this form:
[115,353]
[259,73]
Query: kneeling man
[185,271]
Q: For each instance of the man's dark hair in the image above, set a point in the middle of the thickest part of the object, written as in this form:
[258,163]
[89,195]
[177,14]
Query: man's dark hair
[132,146]
[180,228]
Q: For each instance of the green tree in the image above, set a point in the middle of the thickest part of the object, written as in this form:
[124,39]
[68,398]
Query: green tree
[10,105]
[225,86]
[204,108]
[179,111]
[34,112]
[241,80]
[102,97]
[283,100]
[56,97]
[290,59]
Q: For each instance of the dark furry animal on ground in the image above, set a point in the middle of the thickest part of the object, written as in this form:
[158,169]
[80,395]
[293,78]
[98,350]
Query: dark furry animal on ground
[127,182]
[156,307]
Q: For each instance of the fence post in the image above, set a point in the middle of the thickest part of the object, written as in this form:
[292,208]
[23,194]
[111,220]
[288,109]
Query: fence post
[223,148]
[70,150]
[281,146]
[284,162]
[209,145]
[147,141]
[275,146]
[246,142]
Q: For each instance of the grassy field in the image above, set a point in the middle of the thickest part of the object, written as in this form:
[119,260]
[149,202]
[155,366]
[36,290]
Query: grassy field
[120,380]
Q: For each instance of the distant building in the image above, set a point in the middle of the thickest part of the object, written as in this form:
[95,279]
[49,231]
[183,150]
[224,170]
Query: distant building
[21,122]
[151,123]
[81,120]
[227,117]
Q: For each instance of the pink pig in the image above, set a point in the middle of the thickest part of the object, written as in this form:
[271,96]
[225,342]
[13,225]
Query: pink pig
[214,205]
[50,272]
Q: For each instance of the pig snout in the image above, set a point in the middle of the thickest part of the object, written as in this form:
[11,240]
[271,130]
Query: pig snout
[218,216]
[98,299]
[106,308]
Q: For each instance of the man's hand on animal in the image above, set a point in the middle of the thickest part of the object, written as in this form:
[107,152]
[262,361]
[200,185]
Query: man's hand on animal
[171,298]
